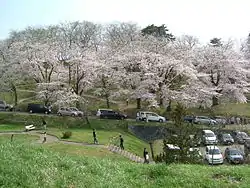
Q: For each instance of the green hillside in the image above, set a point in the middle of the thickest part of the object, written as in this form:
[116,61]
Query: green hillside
[24,165]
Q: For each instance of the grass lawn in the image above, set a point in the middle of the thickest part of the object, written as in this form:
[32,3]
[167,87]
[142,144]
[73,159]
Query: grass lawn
[8,127]
[30,166]
[87,151]
[18,138]
[131,143]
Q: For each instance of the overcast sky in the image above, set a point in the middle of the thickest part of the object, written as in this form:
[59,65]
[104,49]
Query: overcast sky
[203,18]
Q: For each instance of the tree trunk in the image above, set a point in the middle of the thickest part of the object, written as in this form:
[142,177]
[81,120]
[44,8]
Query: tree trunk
[152,150]
[78,104]
[169,107]
[161,101]
[107,100]
[87,119]
[138,101]
[215,101]
[69,75]
[13,88]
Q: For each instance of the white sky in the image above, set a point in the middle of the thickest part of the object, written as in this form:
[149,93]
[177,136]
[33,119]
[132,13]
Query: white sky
[202,18]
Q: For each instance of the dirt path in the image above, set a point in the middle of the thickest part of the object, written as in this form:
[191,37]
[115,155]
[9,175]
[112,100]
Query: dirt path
[51,139]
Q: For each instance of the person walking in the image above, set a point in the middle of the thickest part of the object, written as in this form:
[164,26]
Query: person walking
[11,138]
[44,124]
[44,137]
[146,156]
[121,142]
[94,136]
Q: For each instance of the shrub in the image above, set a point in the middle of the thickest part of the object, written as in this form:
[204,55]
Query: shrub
[67,134]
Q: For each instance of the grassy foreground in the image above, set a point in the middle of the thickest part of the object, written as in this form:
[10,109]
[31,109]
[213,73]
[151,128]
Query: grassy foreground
[31,166]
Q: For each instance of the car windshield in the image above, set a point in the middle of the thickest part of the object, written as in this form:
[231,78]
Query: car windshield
[73,109]
[235,152]
[227,136]
[214,151]
[242,134]
[209,135]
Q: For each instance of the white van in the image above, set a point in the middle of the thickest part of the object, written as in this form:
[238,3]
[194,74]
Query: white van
[208,137]
[213,155]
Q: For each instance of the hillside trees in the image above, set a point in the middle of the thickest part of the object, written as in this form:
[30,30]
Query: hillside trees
[153,72]
[226,72]
[79,43]
[38,54]
[158,32]
[10,74]
[121,60]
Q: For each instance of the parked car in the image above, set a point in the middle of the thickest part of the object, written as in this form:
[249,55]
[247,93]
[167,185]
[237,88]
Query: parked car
[247,147]
[208,137]
[220,120]
[150,116]
[225,138]
[189,119]
[29,128]
[38,108]
[110,114]
[232,155]
[213,155]
[100,111]
[71,111]
[4,106]
[240,137]
[204,120]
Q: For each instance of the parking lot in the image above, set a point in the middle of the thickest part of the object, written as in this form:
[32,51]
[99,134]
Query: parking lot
[223,147]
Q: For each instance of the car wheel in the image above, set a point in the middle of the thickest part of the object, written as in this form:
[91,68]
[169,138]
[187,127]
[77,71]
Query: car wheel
[73,115]
[122,118]
[160,120]
[59,114]
[31,111]
[46,112]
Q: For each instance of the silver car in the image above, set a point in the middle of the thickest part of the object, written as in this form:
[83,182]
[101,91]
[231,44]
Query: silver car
[204,120]
[71,111]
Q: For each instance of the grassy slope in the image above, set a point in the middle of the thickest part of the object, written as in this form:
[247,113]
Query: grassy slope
[30,166]
[131,143]
[65,149]
[18,138]
[87,151]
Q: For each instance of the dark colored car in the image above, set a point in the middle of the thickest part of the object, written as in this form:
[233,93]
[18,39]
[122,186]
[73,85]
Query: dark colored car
[189,119]
[225,139]
[232,155]
[38,108]
[240,137]
[109,114]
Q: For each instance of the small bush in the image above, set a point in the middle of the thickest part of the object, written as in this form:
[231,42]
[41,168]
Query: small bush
[67,134]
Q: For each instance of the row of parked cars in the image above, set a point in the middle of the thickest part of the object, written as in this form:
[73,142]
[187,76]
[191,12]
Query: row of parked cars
[207,137]
[213,155]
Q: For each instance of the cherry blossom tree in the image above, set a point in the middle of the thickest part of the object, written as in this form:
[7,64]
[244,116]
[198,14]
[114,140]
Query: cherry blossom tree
[39,56]
[225,71]
[78,43]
